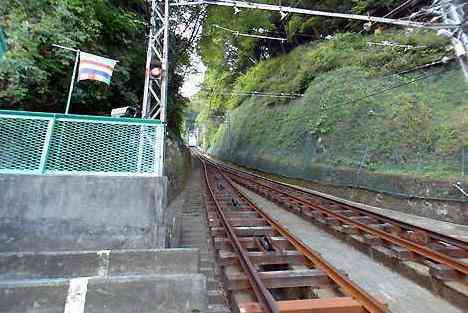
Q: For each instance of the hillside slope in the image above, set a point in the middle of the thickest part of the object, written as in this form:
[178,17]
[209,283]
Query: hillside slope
[366,109]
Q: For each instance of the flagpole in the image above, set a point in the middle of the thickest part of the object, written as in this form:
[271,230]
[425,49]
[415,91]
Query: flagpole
[72,83]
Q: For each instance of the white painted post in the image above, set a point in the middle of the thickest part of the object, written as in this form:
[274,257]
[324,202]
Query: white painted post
[72,83]
[141,143]
[46,146]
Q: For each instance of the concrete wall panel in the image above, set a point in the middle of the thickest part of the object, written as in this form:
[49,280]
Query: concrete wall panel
[50,213]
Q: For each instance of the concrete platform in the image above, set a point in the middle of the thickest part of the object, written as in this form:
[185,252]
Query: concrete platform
[47,265]
[119,294]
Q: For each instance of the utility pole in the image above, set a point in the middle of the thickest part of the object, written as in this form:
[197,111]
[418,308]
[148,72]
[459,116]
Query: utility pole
[156,75]
[452,11]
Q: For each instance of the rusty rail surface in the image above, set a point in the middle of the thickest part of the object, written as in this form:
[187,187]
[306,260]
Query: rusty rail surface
[442,254]
[265,297]
[223,202]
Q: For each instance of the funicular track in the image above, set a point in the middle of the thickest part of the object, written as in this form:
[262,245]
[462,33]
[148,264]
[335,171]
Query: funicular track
[264,267]
[444,256]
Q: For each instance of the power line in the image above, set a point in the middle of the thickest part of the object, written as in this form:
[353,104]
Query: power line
[375,91]
[237,33]
[383,91]
[284,10]
[401,6]
[392,44]
[267,94]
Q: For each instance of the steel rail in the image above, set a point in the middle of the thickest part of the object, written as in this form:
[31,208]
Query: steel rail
[437,236]
[413,247]
[406,226]
[261,292]
[366,300]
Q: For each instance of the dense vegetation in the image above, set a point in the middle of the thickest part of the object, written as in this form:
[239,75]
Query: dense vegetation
[35,76]
[229,57]
[413,123]
[364,105]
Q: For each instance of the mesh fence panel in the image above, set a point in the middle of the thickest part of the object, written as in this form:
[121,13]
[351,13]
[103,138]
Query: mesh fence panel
[52,144]
[21,143]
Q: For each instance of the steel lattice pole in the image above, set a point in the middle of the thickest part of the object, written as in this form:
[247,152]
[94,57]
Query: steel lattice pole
[156,84]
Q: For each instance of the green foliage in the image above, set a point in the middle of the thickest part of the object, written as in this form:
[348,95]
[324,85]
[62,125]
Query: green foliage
[294,72]
[409,123]
[355,109]
[35,76]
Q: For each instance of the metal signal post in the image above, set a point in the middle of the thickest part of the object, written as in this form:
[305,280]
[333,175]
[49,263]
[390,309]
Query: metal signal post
[156,77]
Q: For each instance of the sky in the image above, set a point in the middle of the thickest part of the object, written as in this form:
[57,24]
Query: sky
[193,80]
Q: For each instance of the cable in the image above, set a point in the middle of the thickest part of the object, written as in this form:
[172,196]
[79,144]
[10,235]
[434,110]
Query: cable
[399,8]
[396,75]
[266,94]
[236,33]
[376,91]
[391,44]
[380,92]
[282,10]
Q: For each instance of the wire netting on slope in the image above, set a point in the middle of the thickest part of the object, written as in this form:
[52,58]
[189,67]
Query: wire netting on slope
[403,134]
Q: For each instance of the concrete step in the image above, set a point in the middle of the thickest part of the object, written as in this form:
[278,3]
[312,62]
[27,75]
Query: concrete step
[212,284]
[201,235]
[188,230]
[195,242]
[69,264]
[207,263]
[209,272]
[120,294]
[218,308]
[216,296]
[203,246]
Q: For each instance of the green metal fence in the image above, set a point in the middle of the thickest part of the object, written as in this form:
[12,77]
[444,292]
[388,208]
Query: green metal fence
[50,144]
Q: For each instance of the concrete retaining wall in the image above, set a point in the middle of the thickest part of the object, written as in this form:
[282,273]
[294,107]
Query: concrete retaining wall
[51,213]
[386,191]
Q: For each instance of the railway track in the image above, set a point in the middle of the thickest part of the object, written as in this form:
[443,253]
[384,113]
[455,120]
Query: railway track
[264,267]
[445,257]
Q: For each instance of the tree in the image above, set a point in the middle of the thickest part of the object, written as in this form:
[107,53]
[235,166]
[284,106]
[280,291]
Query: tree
[35,76]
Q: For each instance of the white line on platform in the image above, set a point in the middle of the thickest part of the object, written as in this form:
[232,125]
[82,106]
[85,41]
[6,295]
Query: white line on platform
[76,297]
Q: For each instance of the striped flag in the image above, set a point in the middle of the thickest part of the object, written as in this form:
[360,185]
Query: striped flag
[94,67]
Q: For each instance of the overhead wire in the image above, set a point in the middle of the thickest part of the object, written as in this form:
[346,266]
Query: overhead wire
[383,91]
[237,33]
[374,92]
